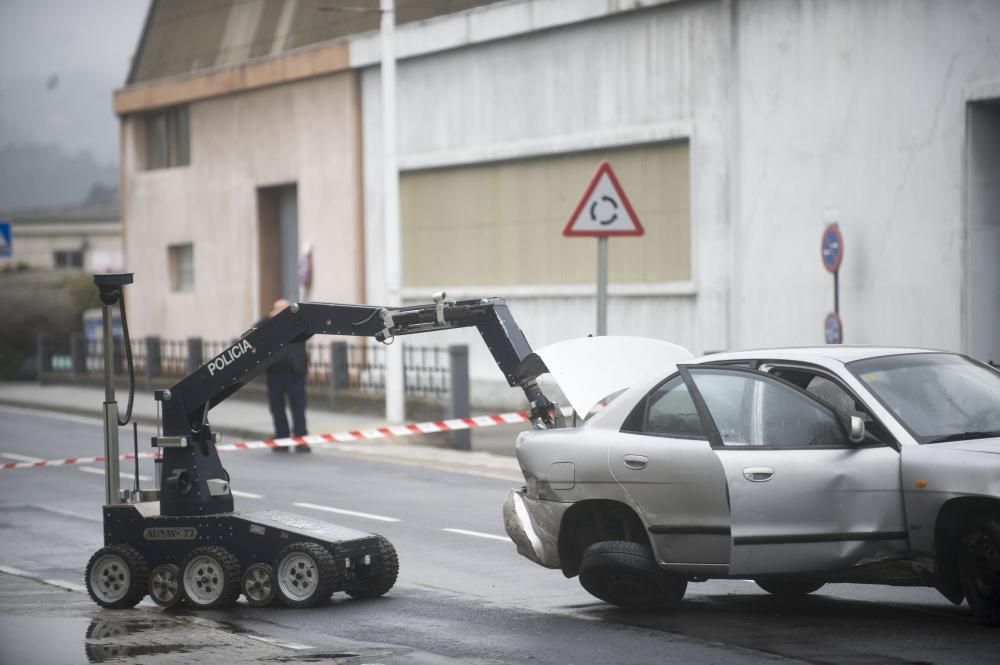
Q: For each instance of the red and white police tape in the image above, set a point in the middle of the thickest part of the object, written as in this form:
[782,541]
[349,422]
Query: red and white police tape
[429,427]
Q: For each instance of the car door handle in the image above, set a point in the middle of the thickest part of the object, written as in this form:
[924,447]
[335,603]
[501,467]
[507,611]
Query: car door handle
[636,462]
[758,474]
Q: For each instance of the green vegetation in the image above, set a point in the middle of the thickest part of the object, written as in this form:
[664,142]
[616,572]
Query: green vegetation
[37,302]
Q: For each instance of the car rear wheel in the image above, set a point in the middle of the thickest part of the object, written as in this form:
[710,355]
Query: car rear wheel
[789,588]
[979,568]
[624,574]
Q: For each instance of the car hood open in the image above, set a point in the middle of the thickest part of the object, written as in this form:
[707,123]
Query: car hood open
[588,369]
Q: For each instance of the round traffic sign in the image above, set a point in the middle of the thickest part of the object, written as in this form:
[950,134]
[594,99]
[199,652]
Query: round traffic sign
[833,328]
[832,247]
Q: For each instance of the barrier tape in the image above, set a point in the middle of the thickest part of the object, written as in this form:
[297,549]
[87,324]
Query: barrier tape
[429,427]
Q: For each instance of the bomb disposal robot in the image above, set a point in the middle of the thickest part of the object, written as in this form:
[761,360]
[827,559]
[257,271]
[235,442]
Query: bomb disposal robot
[184,541]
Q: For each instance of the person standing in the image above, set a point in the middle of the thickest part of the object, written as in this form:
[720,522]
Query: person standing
[286,377]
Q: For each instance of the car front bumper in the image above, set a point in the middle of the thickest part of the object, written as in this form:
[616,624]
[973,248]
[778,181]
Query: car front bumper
[533,525]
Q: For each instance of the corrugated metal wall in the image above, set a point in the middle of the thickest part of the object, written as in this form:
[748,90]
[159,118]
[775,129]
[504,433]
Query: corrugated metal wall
[182,36]
[501,223]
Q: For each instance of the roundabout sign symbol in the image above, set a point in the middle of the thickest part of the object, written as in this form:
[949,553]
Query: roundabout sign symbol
[610,202]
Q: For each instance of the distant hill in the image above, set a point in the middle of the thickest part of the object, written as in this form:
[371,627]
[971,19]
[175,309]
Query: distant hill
[41,176]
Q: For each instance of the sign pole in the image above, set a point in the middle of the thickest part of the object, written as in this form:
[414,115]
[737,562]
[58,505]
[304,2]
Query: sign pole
[832,253]
[603,211]
[395,397]
[836,292]
[602,286]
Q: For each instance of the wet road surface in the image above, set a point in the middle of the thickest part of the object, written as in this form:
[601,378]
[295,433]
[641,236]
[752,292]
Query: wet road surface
[463,596]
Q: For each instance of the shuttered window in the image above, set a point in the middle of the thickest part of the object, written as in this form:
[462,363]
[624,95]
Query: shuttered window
[501,223]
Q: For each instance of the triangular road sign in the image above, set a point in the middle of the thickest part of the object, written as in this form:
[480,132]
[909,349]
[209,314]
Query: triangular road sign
[604,209]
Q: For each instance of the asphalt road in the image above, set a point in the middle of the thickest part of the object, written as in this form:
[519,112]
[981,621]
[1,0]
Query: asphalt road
[464,595]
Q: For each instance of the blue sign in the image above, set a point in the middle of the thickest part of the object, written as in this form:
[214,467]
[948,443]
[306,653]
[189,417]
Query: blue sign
[832,248]
[6,244]
[834,329]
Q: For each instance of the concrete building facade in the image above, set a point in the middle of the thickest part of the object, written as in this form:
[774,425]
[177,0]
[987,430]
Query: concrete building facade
[739,127]
[213,241]
[797,113]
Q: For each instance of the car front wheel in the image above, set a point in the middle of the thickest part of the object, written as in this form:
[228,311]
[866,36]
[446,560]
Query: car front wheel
[979,568]
[624,574]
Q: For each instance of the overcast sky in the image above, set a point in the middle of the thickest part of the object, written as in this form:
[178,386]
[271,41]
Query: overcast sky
[59,62]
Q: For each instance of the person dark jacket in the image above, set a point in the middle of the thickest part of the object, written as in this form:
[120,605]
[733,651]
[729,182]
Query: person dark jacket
[286,378]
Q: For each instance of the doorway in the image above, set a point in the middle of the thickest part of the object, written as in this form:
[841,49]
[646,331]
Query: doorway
[982,277]
[278,240]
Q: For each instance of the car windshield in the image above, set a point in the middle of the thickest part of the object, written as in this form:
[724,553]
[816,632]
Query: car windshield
[936,396]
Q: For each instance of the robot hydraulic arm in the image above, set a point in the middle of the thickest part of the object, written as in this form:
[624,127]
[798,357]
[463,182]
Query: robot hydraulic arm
[186,404]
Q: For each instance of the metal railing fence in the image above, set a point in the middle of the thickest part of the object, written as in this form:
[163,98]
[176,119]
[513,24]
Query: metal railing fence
[338,368]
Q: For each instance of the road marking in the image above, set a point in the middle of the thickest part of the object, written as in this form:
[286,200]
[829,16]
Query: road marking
[341,511]
[294,646]
[69,586]
[96,470]
[20,458]
[28,411]
[70,513]
[478,534]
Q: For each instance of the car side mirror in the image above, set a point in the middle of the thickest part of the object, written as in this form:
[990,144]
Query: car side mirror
[857,430]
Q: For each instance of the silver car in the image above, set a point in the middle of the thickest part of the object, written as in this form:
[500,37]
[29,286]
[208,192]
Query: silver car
[794,467]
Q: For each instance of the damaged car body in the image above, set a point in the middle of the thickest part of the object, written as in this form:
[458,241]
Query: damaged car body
[793,467]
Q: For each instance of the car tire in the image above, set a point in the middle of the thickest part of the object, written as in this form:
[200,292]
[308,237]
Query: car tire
[305,575]
[210,578]
[624,573]
[384,571]
[789,588]
[116,577]
[979,568]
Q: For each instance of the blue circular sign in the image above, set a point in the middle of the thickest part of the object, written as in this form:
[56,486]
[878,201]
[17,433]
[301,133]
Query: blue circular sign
[832,247]
[833,329]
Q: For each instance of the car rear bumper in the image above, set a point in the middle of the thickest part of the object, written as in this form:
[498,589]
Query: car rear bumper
[533,525]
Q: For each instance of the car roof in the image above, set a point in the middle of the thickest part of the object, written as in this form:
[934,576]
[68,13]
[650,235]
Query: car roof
[843,353]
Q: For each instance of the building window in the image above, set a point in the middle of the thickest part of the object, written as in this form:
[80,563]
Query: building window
[69,260]
[180,259]
[168,138]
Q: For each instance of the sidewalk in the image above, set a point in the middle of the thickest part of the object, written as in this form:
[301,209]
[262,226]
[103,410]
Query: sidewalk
[238,419]
[245,419]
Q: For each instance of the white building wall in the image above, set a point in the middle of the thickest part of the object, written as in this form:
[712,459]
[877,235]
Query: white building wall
[629,78]
[857,107]
[798,112]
